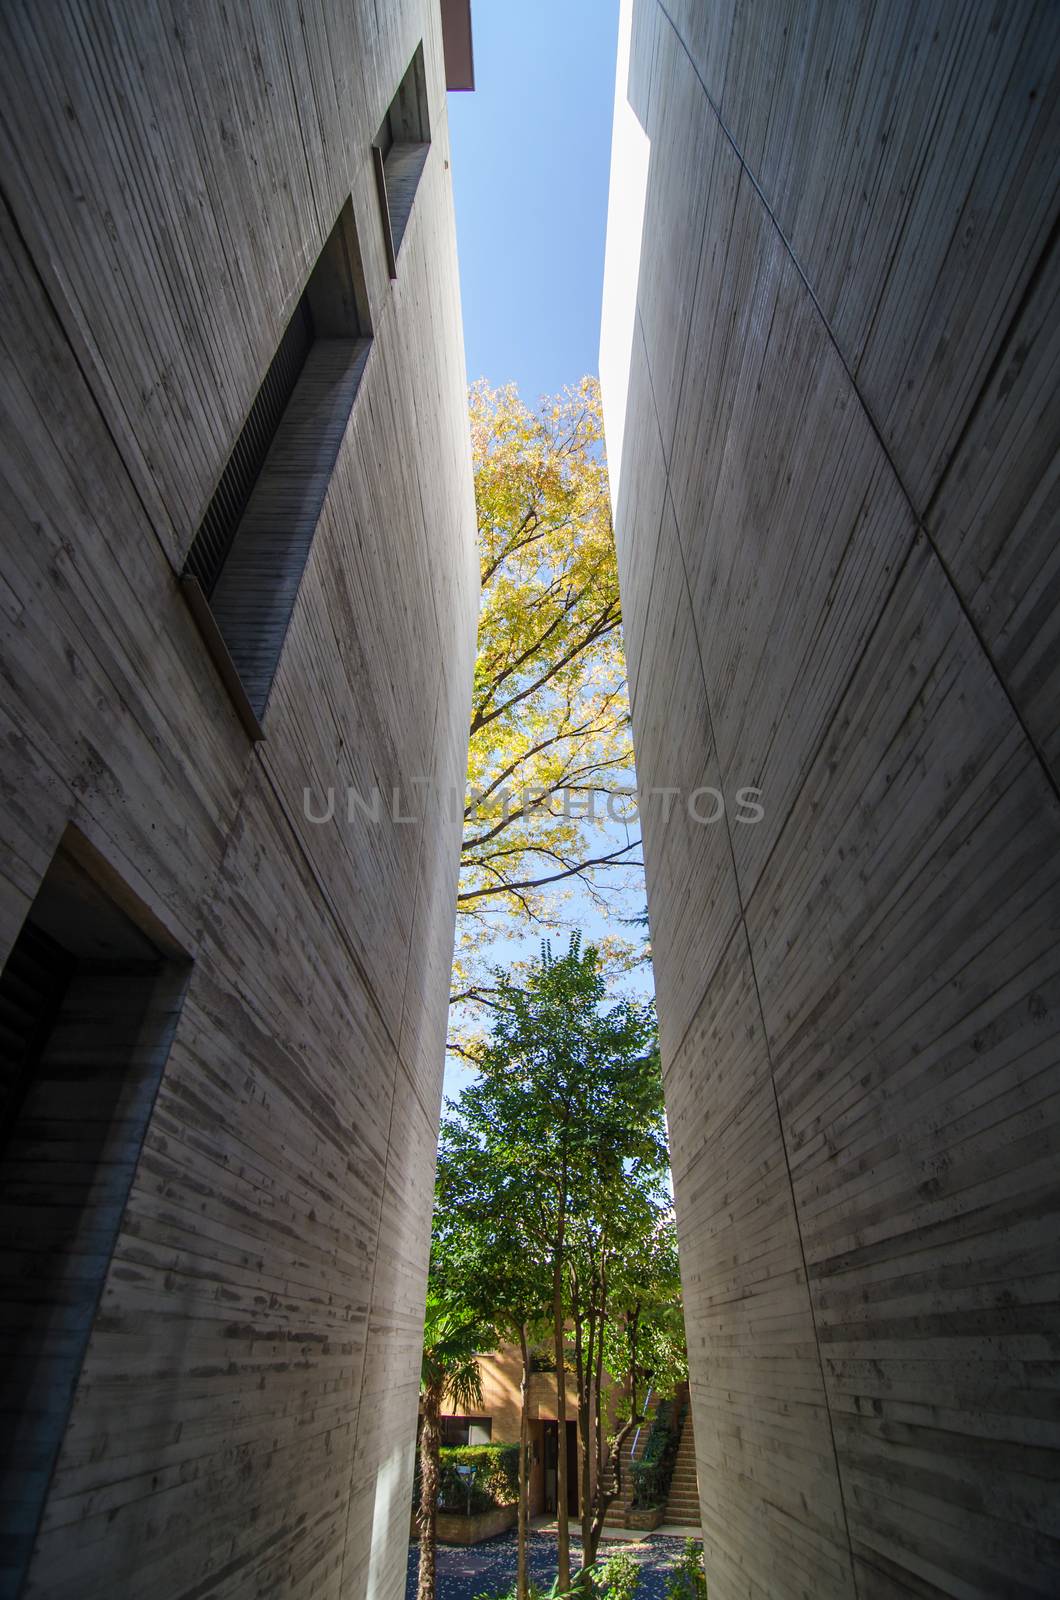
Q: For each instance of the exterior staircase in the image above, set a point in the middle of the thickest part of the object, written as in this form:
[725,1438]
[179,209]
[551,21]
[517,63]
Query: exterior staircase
[682,1503]
[616,1511]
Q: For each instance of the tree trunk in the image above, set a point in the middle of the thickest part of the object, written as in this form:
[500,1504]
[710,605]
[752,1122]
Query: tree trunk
[562,1522]
[598,1404]
[584,1380]
[427,1514]
[602,1461]
[521,1588]
[602,1500]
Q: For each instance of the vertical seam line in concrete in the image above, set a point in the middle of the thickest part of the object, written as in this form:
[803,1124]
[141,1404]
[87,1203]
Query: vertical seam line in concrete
[311,186]
[398,1069]
[1043,256]
[631,683]
[370,996]
[416,898]
[325,897]
[899,569]
[67,342]
[356,1434]
[1000,355]
[765,1031]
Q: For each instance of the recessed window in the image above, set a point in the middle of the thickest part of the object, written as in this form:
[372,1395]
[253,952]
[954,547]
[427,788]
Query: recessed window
[245,566]
[88,1007]
[466,1430]
[400,151]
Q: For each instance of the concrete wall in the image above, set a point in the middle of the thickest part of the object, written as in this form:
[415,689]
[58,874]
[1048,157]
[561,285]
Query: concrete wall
[830,353]
[245,1415]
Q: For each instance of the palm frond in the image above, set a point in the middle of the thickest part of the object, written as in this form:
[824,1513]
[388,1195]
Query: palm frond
[463,1385]
[451,1343]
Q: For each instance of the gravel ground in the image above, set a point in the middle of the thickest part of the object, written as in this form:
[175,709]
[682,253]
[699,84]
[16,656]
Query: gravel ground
[464,1573]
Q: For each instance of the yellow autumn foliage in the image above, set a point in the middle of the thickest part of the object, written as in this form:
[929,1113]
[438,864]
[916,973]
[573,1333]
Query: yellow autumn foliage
[550,734]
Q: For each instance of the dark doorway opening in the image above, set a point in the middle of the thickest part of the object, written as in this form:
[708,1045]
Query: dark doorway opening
[551,1458]
[88,1007]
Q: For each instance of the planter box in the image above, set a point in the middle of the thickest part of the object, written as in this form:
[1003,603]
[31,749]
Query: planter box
[454,1529]
[636,1518]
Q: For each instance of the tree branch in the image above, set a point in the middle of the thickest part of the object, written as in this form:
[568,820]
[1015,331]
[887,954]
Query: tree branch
[599,630]
[536,883]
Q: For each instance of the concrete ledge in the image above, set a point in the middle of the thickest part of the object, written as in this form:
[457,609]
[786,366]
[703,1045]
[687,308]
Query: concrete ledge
[454,1529]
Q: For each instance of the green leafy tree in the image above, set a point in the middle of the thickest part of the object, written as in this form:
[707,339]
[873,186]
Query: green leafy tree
[481,1238]
[644,1337]
[566,1108]
[550,740]
[628,1323]
[619,1278]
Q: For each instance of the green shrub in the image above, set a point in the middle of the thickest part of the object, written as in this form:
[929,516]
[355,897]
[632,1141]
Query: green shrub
[495,1482]
[585,1585]
[688,1579]
[621,1575]
[533,1593]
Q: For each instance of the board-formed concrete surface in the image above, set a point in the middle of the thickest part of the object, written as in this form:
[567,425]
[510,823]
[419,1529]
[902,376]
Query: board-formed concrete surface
[829,358]
[244,1417]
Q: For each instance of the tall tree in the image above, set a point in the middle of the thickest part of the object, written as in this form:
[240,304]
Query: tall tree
[620,1212]
[483,1241]
[567,1097]
[550,739]
[452,1339]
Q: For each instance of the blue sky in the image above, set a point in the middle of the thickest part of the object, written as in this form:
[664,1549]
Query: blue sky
[531,151]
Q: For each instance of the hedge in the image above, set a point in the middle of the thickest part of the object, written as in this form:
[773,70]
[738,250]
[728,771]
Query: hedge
[495,1483]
